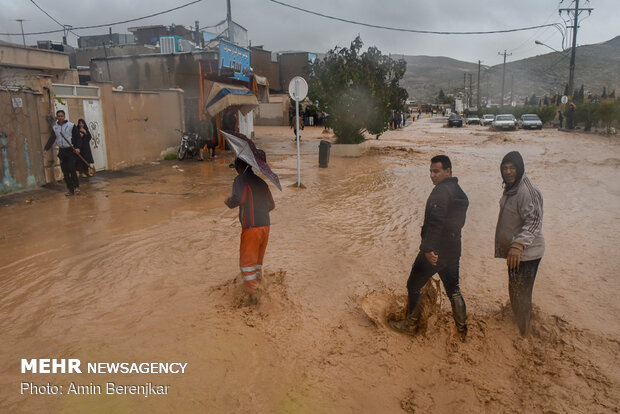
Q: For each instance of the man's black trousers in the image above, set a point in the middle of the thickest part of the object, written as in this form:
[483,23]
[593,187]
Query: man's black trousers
[68,165]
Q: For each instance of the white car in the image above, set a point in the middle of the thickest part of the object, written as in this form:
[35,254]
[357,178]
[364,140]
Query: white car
[530,121]
[505,121]
[487,119]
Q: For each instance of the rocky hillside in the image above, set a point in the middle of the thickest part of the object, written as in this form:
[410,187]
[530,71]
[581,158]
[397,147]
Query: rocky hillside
[597,66]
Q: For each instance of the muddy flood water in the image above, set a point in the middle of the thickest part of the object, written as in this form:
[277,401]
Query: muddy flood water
[143,267]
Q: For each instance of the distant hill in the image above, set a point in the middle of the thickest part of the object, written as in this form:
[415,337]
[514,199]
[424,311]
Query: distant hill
[597,66]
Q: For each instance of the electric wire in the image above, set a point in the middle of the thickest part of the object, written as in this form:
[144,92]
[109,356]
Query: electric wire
[107,24]
[48,15]
[398,29]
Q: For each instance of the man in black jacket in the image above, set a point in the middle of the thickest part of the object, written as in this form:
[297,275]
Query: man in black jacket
[440,250]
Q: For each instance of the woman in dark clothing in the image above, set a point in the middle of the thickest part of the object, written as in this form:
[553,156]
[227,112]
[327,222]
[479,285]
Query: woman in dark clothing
[84,149]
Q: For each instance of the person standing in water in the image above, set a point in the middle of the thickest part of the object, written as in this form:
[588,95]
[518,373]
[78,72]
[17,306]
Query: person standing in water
[251,194]
[518,236]
[440,250]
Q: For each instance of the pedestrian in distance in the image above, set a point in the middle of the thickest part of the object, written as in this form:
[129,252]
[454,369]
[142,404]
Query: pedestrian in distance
[207,139]
[252,195]
[67,139]
[561,119]
[518,236]
[83,168]
[440,249]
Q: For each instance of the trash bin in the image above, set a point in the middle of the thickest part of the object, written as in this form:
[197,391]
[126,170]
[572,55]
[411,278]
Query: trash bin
[324,153]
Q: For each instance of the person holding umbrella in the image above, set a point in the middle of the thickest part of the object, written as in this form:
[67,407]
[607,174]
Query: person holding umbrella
[251,194]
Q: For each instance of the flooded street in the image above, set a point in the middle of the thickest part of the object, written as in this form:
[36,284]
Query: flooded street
[143,266]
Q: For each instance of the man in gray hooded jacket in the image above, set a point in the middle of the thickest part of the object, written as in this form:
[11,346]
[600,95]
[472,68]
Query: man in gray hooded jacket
[518,236]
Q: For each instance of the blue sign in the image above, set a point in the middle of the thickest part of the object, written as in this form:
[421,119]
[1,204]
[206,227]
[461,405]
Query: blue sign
[235,58]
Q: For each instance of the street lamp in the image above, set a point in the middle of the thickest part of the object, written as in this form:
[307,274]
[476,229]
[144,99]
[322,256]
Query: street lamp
[538,42]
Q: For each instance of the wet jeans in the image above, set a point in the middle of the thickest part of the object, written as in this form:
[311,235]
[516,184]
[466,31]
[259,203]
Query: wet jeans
[520,286]
[422,270]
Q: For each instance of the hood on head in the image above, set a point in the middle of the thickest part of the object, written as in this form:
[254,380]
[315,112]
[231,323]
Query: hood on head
[515,158]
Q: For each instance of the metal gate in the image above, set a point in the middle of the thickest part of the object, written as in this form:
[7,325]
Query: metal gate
[85,101]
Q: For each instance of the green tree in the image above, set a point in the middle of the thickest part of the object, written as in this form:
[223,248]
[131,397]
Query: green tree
[441,98]
[608,112]
[359,91]
[588,114]
[546,113]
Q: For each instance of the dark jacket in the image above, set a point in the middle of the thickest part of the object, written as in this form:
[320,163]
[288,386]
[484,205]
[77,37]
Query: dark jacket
[254,199]
[444,218]
[85,150]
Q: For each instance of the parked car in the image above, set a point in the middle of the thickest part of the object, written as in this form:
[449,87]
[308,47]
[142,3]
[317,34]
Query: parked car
[487,119]
[530,121]
[472,119]
[455,120]
[505,121]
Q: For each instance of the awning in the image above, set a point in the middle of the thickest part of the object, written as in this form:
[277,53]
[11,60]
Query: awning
[223,95]
[261,80]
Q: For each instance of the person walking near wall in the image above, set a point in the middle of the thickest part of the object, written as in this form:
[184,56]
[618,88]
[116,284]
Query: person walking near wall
[440,250]
[85,150]
[518,236]
[67,139]
[251,194]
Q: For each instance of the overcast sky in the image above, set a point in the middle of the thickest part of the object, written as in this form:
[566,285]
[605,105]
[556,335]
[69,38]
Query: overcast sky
[278,28]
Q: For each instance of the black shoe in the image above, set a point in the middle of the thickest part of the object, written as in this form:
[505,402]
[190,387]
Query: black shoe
[405,326]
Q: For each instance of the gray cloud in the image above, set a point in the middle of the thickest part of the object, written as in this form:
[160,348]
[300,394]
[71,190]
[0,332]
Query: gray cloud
[280,28]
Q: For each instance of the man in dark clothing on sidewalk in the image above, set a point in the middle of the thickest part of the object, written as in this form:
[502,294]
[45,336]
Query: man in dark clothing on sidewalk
[440,250]
[251,194]
[67,139]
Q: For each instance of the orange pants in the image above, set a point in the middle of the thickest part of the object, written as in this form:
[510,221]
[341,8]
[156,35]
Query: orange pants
[251,252]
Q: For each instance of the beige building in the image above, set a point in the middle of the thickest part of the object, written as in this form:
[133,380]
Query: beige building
[128,127]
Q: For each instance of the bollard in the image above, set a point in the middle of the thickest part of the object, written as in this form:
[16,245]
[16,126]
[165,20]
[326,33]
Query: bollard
[324,147]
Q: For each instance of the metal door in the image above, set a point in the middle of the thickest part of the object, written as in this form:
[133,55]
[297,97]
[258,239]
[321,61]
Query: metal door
[94,120]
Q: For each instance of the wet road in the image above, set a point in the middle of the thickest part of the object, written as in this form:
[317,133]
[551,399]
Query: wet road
[142,267]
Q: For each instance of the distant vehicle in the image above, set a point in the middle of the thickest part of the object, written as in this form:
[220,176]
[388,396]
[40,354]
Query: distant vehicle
[455,120]
[487,119]
[505,121]
[472,119]
[530,121]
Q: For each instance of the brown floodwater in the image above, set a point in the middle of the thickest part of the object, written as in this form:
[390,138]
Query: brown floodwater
[143,267]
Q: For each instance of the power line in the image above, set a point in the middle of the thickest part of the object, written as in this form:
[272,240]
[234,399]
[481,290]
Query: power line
[108,24]
[398,29]
[64,26]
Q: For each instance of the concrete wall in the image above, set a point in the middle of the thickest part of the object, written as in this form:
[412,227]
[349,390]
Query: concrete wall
[24,66]
[84,55]
[262,65]
[139,125]
[291,65]
[28,57]
[23,132]
[274,112]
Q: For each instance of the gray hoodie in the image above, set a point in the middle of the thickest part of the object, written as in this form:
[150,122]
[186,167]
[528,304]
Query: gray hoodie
[520,219]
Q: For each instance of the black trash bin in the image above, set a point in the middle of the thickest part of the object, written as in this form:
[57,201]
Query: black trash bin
[324,153]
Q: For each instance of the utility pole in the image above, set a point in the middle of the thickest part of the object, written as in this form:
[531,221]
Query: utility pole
[575,12]
[229,23]
[21,23]
[469,99]
[478,89]
[503,74]
[65,29]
